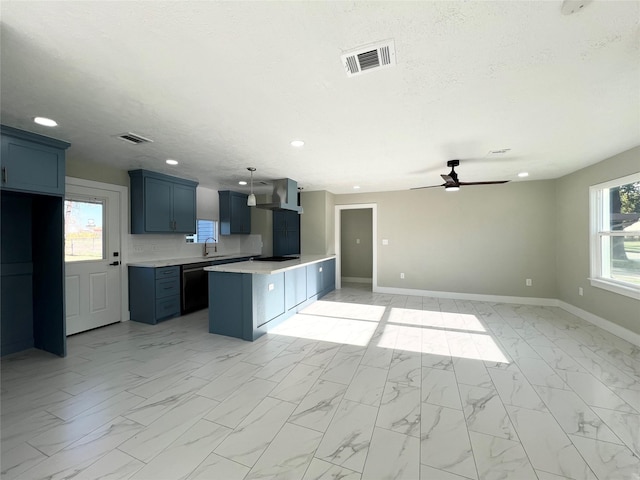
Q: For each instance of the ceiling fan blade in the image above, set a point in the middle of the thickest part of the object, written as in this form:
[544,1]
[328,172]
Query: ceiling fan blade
[449,179]
[483,183]
[430,186]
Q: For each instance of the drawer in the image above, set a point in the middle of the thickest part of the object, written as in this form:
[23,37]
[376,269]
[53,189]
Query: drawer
[167,307]
[166,272]
[166,287]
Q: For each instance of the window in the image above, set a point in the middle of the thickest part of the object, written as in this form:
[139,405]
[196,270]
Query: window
[205,230]
[83,232]
[615,235]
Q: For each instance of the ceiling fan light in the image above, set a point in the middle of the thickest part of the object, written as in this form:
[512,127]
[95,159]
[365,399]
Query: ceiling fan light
[452,188]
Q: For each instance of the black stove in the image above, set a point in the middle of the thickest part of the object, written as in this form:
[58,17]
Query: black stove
[274,259]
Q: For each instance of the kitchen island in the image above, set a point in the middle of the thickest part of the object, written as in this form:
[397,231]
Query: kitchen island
[246,299]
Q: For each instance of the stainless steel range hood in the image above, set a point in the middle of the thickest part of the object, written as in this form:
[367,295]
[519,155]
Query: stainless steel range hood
[284,196]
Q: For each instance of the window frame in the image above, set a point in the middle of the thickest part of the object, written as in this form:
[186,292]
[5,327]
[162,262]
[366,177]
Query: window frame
[195,237]
[598,212]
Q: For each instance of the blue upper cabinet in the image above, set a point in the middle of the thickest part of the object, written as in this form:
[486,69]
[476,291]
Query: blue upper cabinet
[286,233]
[32,163]
[235,215]
[162,203]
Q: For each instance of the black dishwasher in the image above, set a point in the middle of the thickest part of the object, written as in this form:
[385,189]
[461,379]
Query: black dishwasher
[195,287]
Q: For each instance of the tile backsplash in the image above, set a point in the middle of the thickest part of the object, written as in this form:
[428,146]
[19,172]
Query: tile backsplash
[168,246]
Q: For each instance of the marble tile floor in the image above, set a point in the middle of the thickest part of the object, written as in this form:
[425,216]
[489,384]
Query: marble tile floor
[360,385]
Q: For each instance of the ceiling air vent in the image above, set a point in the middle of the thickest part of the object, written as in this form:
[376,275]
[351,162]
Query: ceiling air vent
[369,58]
[134,138]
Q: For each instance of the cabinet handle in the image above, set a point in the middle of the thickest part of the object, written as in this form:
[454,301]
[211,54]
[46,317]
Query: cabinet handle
[5,175]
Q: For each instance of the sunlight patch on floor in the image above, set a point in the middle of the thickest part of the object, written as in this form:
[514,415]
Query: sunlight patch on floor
[326,329]
[354,311]
[433,332]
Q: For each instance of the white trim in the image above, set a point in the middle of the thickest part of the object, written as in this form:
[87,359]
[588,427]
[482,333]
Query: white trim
[547,302]
[604,324]
[620,289]
[123,192]
[357,280]
[374,238]
[599,267]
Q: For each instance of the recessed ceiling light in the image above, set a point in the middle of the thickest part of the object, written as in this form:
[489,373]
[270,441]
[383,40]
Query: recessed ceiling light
[356,187]
[297,143]
[47,122]
[523,174]
[242,182]
[172,162]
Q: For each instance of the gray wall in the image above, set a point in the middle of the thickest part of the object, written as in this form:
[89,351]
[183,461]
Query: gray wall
[484,240]
[96,172]
[356,258]
[572,252]
[317,228]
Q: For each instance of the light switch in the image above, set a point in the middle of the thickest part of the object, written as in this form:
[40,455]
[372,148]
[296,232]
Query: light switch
[272,286]
[357,240]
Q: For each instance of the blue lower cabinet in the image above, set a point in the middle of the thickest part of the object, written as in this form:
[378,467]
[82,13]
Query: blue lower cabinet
[245,305]
[154,293]
[231,304]
[295,287]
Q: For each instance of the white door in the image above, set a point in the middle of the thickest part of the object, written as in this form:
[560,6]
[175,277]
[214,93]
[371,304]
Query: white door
[92,258]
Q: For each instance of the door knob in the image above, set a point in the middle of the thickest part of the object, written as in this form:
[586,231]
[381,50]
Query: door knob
[115,264]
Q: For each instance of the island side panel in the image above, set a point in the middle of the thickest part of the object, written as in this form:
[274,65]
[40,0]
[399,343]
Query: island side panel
[268,302]
[230,304]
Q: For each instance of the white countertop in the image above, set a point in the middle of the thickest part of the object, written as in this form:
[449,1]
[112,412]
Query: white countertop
[171,262]
[267,268]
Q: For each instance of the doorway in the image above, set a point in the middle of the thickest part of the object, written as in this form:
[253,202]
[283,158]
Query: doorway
[358,242]
[93,255]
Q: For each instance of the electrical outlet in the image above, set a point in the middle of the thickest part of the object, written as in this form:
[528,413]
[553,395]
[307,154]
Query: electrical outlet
[402,275]
[528,282]
[580,291]
[385,241]
[138,249]
[155,248]
[271,287]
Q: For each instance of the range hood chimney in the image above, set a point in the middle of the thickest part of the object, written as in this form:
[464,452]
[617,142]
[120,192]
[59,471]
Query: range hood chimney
[284,197]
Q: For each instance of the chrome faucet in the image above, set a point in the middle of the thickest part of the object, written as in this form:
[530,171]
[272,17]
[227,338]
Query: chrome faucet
[205,251]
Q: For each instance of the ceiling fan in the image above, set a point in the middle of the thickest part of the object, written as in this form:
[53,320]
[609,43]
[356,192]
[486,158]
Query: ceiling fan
[451,182]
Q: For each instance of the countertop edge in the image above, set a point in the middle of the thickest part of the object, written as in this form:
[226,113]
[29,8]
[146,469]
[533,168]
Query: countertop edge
[251,267]
[176,262]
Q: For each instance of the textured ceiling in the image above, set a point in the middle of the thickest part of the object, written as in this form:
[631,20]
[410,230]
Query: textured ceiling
[221,86]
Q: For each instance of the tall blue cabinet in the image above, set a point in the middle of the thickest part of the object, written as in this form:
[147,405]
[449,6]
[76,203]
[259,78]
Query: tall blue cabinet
[32,242]
[286,232]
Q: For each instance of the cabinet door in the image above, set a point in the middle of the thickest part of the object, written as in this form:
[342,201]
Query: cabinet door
[32,167]
[158,201]
[184,208]
[240,214]
[328,275]
[314,279]
[286,233]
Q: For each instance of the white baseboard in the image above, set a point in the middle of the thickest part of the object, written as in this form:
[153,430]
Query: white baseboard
[604,324]
[546,302]
[356,280]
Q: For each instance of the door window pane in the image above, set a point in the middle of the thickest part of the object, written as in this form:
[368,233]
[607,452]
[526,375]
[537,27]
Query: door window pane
[83,232]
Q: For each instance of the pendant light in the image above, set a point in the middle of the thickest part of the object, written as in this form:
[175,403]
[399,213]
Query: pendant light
[251,200]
